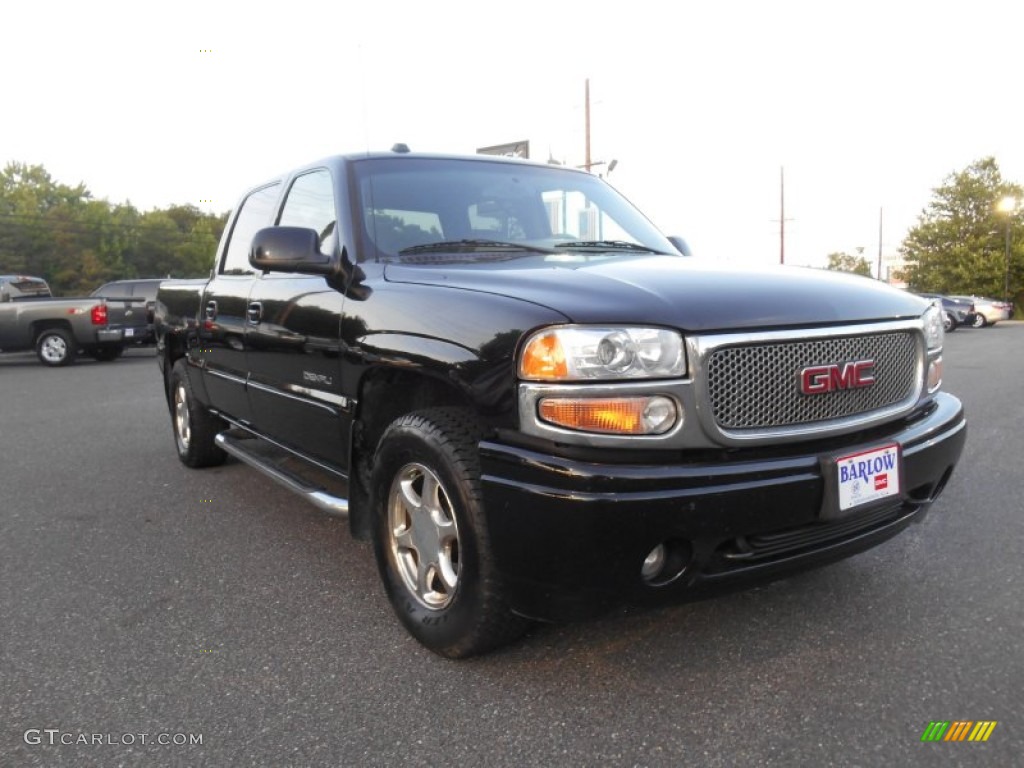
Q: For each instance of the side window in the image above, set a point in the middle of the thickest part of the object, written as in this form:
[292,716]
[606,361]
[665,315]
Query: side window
[255,214]
[115,291]
[310,203]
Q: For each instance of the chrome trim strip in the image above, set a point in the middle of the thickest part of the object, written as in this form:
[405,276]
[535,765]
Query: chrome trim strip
[319,394]
[221,375]
[304,400]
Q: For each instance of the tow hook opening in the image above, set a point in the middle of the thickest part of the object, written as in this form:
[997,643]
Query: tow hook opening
[666,562]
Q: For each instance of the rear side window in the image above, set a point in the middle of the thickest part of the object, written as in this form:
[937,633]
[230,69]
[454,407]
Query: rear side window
[28,287]
[255,213]
[113,291]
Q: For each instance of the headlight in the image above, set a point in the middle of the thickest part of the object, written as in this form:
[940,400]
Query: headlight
[933,330]
[578,353]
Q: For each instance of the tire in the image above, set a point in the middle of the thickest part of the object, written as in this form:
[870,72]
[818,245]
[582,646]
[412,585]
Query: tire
[979,321]
[437,566]
[949,322]
[193,425]
[107,353]
[56,347]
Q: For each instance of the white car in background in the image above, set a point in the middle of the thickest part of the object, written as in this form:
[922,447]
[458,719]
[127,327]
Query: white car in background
[988,311]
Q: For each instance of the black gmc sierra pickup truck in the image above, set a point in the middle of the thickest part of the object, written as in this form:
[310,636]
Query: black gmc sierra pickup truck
[535,405]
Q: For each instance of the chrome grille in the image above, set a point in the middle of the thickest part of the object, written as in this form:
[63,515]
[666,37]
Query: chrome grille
[757,385]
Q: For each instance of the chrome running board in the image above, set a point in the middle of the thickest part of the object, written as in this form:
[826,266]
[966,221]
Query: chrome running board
[273,466]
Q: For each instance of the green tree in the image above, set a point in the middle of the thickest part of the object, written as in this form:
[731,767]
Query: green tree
[844,262]
[38,219]
[958,245]
[77,243]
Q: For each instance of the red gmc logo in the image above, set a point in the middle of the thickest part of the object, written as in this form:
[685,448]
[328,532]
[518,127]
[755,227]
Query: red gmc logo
[819,379]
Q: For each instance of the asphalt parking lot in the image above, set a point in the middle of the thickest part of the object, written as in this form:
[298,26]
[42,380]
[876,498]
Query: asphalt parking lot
[142,603]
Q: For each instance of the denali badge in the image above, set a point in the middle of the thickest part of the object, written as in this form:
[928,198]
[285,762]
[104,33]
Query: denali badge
[819,379]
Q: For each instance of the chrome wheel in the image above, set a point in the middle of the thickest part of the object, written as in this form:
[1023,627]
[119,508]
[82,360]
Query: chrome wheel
[423,536]
[195,428]
[182,424]
[53,349]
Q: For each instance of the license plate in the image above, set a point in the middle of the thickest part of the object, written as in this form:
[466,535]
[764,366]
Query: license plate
[129,331]
[868,476]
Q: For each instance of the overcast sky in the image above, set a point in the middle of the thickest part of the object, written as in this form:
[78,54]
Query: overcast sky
[701,104]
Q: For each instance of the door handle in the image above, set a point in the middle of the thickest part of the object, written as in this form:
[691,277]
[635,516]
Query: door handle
[211,310]
[255,313]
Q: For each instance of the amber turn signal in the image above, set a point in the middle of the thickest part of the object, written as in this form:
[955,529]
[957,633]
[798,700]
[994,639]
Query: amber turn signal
[652,415]
[543,358]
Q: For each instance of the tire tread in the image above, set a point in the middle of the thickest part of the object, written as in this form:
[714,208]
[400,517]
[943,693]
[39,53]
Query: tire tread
[456,433]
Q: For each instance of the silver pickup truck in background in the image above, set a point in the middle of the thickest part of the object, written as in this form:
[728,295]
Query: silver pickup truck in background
[61,328]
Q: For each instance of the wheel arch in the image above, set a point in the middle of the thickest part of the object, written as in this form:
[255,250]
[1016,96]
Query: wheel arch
[386,394]
[39,326]
[170,349]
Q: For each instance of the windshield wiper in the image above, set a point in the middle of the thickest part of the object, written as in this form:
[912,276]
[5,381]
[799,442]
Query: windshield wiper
[473,246]
[609,245]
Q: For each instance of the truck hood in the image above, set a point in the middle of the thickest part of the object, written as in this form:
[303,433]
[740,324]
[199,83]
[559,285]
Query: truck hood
[686,293]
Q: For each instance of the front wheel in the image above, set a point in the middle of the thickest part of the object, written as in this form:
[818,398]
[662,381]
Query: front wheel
[949,322]
[431,538]
[979,321]
[194,426]
[56,347]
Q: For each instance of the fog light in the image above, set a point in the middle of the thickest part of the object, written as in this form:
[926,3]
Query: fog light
[666,562]
[653,563]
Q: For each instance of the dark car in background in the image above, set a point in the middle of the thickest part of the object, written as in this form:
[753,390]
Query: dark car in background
[956,311]
[141,292]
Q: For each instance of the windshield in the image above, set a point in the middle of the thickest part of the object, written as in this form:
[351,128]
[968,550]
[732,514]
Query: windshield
[415,206]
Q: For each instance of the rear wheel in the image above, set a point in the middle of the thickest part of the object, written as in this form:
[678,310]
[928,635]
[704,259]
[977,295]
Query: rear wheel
[949,322]
[55,347]
[431,538]
[194,426]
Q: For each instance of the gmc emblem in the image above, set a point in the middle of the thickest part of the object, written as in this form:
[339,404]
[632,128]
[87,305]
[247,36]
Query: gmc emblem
[819,379]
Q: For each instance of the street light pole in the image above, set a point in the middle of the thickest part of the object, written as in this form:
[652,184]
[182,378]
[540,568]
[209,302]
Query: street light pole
[1007,205]
[1006,275]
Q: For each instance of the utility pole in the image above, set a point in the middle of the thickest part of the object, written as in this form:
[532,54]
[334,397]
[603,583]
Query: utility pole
[782,215]
[586,108]
[879,243]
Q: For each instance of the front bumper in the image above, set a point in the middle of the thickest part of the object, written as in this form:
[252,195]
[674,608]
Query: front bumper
[569,536]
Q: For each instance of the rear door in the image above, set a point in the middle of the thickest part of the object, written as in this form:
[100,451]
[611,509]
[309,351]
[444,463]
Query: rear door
[222,311]
[293,340]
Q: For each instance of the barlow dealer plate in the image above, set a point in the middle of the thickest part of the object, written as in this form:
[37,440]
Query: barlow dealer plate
[856,480]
